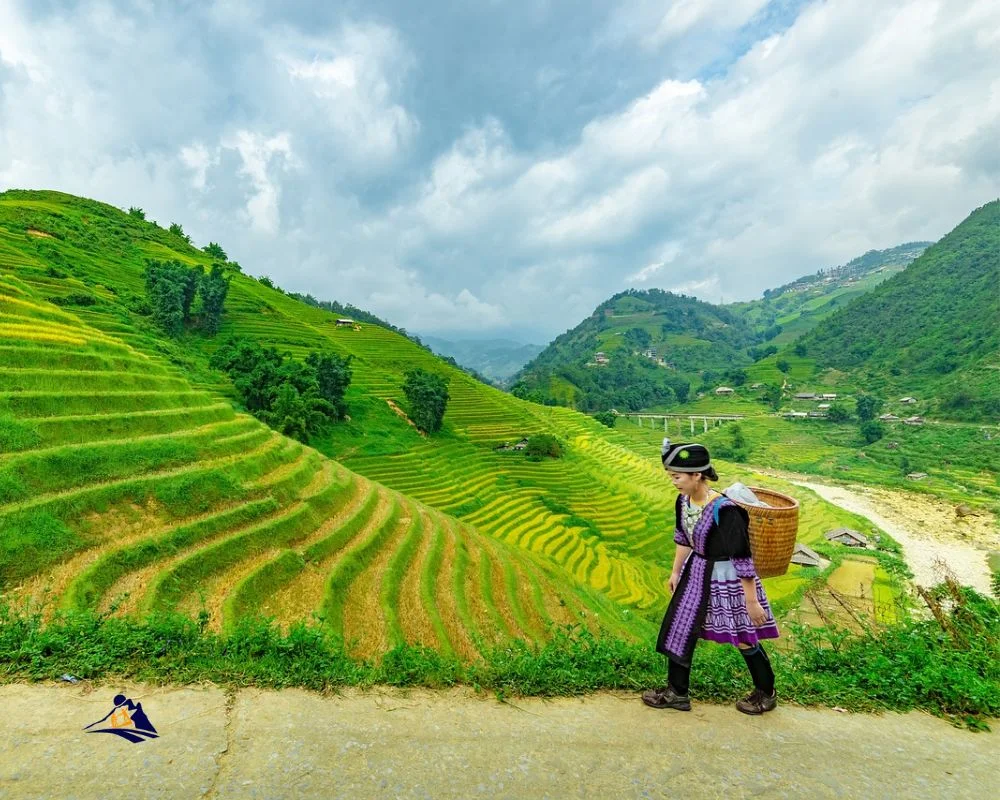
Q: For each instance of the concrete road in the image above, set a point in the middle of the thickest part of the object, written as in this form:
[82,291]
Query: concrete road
[421,744]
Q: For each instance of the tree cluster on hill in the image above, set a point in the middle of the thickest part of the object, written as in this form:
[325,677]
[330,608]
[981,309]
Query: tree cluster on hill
[543,445]
[934,327]
[295,398]
[690,337]
[427,399]
[171,288]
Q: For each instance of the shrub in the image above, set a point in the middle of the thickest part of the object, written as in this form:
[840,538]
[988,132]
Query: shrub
[427,396]
[543,445]
[606,418]
[872,431]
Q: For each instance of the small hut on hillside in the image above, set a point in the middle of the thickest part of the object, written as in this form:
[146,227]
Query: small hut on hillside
[805,556]
[847,537]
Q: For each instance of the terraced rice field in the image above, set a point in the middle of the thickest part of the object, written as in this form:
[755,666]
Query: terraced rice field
[124,489]
[491,545]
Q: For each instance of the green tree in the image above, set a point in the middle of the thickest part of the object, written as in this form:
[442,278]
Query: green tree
[800,349]
[638,338]
[838,413]
[427,397]
[170,291]
[213,287]
[215,251]
[333,376]
[295,414]
[772,396]
[736,377]
[783,365]
[606,418]
[177,230]
[681,389]
[867,406]
[737,448]
[871,431]
[136,212]
[543,445]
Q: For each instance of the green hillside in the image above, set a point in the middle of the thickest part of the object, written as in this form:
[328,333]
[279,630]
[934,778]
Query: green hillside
[658,346]
[799,306]
[440,539]
[657,343]
[932,331]
[125,490]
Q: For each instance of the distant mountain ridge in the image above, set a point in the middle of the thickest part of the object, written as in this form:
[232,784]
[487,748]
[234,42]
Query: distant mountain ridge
[496,359]
[661,346]
[639,348]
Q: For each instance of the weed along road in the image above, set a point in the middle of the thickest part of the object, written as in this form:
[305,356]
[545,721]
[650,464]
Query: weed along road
[452,744]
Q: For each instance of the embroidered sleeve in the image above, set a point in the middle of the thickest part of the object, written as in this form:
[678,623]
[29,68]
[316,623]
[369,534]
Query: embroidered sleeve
[744,567]
[681,538]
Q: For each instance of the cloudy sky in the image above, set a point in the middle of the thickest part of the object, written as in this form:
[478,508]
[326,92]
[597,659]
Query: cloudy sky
[488,167]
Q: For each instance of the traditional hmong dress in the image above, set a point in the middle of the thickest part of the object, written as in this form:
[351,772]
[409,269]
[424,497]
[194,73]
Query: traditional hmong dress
[708,601]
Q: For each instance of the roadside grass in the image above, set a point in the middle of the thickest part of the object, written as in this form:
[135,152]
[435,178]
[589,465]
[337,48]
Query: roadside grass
[947,664]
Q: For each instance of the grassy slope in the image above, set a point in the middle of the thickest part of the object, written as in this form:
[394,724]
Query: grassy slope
[932,331]
[597,515]
[803,304]
[124,489]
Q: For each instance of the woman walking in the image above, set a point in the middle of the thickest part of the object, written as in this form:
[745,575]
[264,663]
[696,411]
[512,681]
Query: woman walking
[716,592]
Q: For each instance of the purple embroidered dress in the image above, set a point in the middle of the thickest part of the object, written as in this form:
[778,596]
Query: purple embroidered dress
[708,602]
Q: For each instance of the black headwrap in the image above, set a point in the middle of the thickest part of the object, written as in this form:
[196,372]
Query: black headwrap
[684,457]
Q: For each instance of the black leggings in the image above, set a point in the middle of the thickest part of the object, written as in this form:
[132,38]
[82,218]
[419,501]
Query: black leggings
[679,676]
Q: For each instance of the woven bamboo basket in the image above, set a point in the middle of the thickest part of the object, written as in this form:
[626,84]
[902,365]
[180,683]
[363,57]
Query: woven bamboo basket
[772,531]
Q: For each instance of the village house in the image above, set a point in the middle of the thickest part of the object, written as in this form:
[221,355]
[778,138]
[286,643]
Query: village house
[829,396]
[507,446]
[650,353]
[909,401]
[805,396]
[847,537]
[757,386]
[823,406]
[723,390]
[917,476]
[600,358]
[795,414]
[805,556]
[345,323]
[817,414]
[913,421]
[889,418]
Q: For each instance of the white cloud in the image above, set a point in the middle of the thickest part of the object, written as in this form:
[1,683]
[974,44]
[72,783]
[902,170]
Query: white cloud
[654,24]
[311,146]
[353,78]
[199,160]
[261,157]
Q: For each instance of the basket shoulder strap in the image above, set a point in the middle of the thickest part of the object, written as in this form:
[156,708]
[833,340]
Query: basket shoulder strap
[720,502]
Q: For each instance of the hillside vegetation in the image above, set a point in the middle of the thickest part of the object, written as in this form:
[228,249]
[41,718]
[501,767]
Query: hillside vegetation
[439,539]
[799,306]
[125,490]
[656,345]
[933,329]
[662,347]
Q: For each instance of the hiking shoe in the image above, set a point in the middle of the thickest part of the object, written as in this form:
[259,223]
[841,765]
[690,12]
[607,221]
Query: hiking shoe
[757,702]
[666,697]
